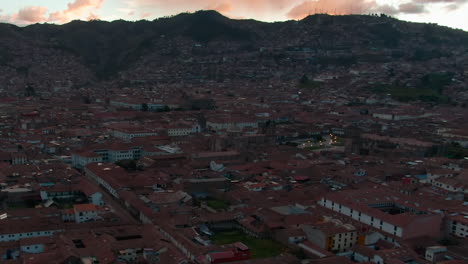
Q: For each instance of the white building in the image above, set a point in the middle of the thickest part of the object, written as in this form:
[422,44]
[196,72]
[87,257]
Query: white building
[82,213]
[433,253]
[219,124]
[450,184]
[79,160]
[5,237]
[138,105]
[182,130]
[332,236]
[104,175]
[126,104]
[14,228]
[458,225]
[112,154]
[385,211]
[127,134]
[32,248]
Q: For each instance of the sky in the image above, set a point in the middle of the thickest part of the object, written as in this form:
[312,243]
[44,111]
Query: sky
[452,13]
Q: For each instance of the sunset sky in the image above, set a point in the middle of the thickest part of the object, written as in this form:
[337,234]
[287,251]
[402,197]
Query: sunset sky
[453,13]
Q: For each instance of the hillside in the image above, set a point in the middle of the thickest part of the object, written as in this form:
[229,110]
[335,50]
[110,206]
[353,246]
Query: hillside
[84,52]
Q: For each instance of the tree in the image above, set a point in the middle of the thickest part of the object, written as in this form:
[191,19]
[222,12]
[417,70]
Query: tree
[129,165]
[29,91]
[456,151]
[86,99]
[164,109]
[304,80]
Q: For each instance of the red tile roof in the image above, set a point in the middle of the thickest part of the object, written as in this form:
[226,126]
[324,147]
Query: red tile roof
[85,207]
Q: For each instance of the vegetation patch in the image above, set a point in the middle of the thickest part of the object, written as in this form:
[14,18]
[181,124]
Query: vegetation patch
[312,148]
[217,204]
[306,83]
[259,248]
[23,204]
[429,89]
[128,165]
[456,151]
[338,143]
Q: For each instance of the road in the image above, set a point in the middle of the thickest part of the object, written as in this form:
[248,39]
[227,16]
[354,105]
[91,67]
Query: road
[115,207]
[461,251]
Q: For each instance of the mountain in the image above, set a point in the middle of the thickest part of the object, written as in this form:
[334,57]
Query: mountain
[107,46]
[98,50]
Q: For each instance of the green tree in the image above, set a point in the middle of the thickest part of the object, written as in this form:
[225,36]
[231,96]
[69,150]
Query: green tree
[456,151]
[29,91]
[129,165]
[304,80]
[164,109]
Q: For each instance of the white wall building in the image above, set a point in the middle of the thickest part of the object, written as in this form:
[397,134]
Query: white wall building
[123,104]
[458,225]
[219,125]
[129,135]
[79,160]
[82,213]
[178,131]
[410,222]
[14,236]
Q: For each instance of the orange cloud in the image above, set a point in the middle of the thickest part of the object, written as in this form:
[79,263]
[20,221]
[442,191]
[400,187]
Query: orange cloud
[259,9]
[266,10]
[331,7]
[310,7]
[222,7]
[75,10]
[84,4]
[92,16]
[31,14]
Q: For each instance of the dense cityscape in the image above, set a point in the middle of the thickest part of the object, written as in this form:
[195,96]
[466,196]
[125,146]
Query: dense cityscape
[201,139]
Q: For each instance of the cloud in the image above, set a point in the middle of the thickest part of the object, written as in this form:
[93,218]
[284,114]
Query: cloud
[450,5]
[386,9]
[223,8]
[84,4]
[310,7]
[5,18]
[36,14]
[440,1]
[412,8]
[32,14]
[331,7]
[75,10]
[92,16]
[260,9]
[266,10]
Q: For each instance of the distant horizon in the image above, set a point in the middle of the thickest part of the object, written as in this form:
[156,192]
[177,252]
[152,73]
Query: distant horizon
[26,12]
[240,19]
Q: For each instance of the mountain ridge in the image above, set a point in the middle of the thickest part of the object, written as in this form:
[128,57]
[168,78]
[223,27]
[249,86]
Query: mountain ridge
[108,48]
